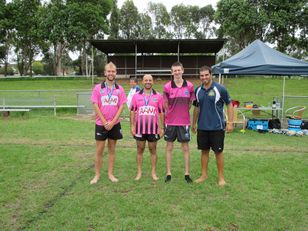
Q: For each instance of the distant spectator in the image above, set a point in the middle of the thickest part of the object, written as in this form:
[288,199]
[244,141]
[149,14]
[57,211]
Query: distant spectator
[133,82]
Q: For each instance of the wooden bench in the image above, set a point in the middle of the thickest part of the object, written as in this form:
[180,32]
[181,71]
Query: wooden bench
[6,111]
[15,109]
[29,107]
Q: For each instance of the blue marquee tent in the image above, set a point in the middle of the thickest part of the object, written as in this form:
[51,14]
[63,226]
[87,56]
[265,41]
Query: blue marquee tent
[260,59]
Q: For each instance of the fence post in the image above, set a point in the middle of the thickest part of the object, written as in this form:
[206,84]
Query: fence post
[54,108]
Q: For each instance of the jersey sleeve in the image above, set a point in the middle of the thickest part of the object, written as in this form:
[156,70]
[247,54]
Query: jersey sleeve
[196,101]
[192,92]
[95,95]
[161,104]
[122,96]
[133,105]
[225,96]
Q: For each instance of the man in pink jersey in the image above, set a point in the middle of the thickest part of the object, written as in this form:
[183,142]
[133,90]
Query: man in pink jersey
[146,113]
[178,97]
[108,99]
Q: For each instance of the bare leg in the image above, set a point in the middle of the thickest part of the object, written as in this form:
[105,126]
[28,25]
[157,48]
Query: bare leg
[140,150]
[185,149]
[100,145]
[220,168]
[153,152]
[111,159]
[204,166]
[169,149]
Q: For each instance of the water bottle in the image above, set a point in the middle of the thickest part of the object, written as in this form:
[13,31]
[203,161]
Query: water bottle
[274,105]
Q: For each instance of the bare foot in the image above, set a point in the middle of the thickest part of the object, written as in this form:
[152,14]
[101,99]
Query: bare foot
[201,179]
[138,177]
[154,177]
[94,180]
[221,182]
[113,179]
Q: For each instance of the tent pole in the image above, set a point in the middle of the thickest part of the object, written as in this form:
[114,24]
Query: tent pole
[219,78]
[283,97]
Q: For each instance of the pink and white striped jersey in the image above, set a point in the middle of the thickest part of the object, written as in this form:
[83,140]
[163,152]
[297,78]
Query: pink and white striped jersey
[108,100]
[178,100]
[147,110]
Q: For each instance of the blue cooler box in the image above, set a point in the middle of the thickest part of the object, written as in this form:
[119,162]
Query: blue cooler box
[294,125]
[257,124]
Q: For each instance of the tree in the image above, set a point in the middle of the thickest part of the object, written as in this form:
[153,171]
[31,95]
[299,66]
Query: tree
[26,35]
[241,22]
[114,21]
[286,20]
[53,26]
[86,19]
[6,32]
[206,17]
[144,26]
[129,20]
[184,21]
[279,22]
[2,28]
[160,20]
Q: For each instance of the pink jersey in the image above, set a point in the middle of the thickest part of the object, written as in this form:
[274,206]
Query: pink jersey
[147,110]
[178,100]
[108,100]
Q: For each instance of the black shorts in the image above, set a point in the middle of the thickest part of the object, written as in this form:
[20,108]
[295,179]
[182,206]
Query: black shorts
[102,134]
[181,133]
[211,139]
[148,137]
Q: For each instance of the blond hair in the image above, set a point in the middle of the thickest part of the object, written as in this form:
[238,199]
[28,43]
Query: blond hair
[110,65]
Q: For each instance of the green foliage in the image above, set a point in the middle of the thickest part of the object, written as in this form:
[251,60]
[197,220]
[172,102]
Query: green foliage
[129,20]
[114,21]
[160,20]
[145,27]
[86,19]
[275,21]
[38,68]
[240,21]
[27,37]
[9,71]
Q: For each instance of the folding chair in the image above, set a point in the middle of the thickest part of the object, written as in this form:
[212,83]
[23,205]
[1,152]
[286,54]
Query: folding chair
[238,118]
[295,112]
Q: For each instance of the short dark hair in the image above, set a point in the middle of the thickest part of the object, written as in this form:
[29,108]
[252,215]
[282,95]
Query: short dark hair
[134,78]
[205,68]
[177,64]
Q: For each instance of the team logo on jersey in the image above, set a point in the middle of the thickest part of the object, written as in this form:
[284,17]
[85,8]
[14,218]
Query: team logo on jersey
[211,93]
[113,100]
[154,100]
[186,92]
[147,110]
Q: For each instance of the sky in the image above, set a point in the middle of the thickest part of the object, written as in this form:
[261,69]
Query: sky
[142,4]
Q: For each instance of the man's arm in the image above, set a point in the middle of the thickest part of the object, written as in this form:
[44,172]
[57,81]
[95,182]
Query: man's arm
[162,123]
[99,113]
[111,123]
[132,122]
[195,118]
[230,121]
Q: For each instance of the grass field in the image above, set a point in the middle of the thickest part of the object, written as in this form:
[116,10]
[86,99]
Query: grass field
[46,164]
